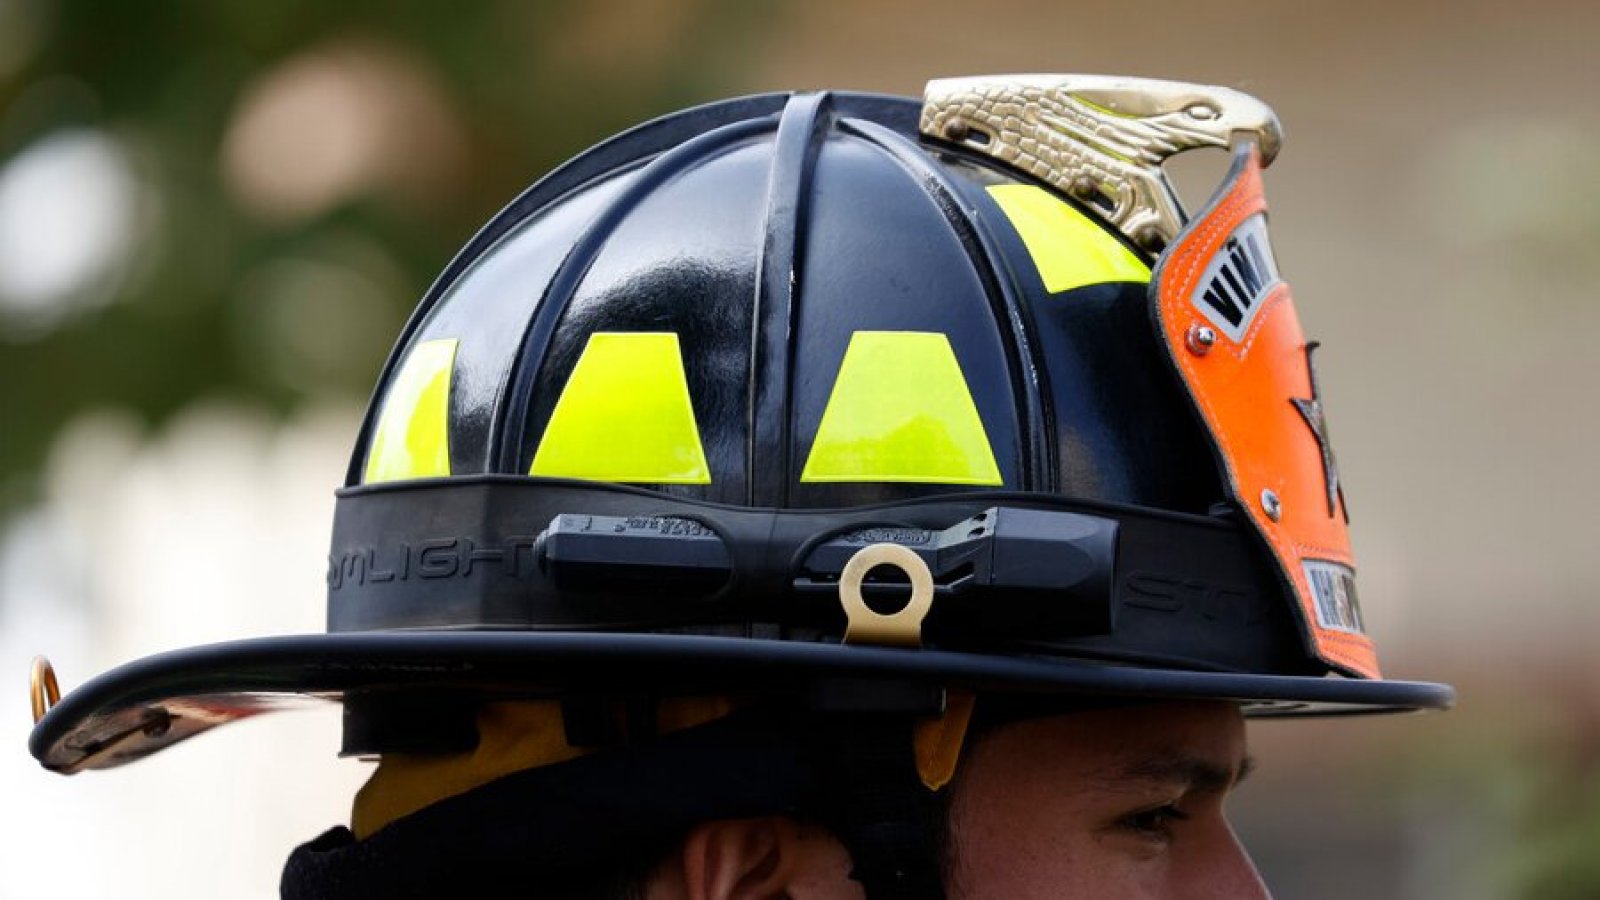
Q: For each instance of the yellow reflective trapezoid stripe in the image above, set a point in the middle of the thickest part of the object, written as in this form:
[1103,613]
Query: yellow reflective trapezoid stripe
[1070,249]
[901,411]
[625,415]
[412,439]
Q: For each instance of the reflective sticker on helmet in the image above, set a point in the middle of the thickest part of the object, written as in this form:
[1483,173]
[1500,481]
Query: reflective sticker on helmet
[1334,587]
[1070,249]
[1238,279]
[412,439]
[901,411]
[625,415]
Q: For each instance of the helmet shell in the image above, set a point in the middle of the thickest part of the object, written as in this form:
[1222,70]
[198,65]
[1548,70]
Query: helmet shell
[764,233]
[766,309]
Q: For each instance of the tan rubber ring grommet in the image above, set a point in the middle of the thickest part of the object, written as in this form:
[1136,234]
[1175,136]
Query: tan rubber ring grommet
[898,629]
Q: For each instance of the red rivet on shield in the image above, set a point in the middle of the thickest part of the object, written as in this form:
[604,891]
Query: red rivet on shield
[1200,339]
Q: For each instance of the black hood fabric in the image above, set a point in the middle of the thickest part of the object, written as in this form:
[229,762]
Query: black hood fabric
[558,831]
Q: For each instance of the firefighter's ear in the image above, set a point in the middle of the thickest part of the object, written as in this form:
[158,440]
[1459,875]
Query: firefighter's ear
[757,859]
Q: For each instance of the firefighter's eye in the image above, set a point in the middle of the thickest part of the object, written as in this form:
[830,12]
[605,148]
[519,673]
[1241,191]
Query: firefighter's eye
[1155,823]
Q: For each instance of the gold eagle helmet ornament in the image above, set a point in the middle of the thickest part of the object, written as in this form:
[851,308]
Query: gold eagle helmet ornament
[1098,138]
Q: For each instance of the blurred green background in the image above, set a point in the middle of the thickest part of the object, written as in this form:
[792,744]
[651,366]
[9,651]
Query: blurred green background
[215,216]
[273,184]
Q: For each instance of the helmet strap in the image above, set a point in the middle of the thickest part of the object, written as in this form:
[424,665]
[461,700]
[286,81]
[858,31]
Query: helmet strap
[877,804]
[885,751]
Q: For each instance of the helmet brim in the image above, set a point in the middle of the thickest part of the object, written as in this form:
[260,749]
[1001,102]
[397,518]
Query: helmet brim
[149,704]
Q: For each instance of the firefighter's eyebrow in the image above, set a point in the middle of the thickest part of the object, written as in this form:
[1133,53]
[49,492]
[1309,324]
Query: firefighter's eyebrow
[1192,771]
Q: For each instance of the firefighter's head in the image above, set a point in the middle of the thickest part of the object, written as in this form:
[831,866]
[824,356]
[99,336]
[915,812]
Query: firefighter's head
[781,460]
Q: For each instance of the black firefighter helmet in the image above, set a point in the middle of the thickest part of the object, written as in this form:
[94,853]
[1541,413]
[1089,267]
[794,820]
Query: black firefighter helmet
[830,394]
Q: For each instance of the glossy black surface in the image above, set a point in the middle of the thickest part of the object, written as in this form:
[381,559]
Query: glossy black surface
[765,237]
[765,233]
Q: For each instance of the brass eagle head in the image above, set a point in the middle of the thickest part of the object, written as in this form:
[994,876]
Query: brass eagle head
[1100,135]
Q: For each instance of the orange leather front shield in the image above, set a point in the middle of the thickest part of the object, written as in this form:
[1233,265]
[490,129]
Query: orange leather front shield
[1230,326]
